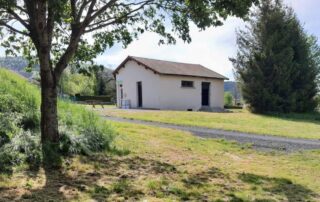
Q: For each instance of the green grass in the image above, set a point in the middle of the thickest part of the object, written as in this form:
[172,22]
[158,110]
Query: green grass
[288,125]
[170,165]
[155,164]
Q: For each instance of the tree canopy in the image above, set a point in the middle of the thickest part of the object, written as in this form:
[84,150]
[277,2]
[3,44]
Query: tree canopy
[277,62]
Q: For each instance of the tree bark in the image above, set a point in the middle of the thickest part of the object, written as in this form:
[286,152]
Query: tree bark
[49,115]
[49,112]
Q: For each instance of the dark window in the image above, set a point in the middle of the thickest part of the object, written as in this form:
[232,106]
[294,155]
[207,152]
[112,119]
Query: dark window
[187,84]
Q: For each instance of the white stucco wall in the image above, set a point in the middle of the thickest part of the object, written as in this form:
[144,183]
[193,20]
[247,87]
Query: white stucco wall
[129,76]
[175,97]
[165,92]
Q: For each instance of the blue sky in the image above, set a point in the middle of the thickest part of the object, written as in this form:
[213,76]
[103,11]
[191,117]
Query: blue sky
[212,47]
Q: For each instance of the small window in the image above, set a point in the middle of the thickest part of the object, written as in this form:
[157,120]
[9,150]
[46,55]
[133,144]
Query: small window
[187,84]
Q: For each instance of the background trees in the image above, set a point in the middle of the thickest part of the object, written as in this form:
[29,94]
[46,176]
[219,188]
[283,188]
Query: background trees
[277,62]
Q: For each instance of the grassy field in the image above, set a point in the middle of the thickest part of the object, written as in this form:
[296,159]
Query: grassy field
[152,164]
[288,125]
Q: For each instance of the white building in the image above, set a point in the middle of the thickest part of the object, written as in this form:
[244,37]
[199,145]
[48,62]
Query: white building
[156,84]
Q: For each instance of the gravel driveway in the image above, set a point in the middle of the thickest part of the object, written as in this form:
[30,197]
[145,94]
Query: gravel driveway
[260,142]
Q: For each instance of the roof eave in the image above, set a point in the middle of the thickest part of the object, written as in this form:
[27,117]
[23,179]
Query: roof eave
[137,61]
[208,77]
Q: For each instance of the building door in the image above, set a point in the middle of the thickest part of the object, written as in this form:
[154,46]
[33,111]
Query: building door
[139,89]
[205,93]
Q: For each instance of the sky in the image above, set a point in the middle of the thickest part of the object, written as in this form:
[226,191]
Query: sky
[211,48]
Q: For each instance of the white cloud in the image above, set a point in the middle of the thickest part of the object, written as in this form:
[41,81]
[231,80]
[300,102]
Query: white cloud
[211,48]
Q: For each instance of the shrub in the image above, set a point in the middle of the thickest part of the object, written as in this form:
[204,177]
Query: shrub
[30,121]
[228,99]
[93,135]
[82,132]
[23,148]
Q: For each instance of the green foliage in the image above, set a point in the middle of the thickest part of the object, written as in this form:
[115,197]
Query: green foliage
[105,83]
[82,132]
[318,102]
[277,63]
[22,148]
[88,80]
[228,99]
[93,134]
[76,83]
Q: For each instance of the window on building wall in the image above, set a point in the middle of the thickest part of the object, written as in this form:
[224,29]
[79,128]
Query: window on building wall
[187,84]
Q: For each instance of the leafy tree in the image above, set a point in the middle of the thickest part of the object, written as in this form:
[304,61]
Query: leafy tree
[275,63]
[105,83]
[77,83]
[228,99]
[58,33]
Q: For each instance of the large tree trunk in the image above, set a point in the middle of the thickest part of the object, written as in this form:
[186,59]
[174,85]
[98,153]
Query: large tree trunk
[49,113]
[49,116]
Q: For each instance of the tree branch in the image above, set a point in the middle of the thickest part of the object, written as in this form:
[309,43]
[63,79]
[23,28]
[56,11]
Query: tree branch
[13,29]
[104,23]
[18,18]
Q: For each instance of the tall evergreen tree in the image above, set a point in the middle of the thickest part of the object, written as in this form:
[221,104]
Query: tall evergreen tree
[274,63]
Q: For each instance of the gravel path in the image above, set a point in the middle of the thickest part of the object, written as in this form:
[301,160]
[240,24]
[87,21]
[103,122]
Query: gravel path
[260,142]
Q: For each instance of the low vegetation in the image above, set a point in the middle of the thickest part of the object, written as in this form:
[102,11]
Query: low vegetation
[154,164]
[81,131]
[228,99]
[288,125]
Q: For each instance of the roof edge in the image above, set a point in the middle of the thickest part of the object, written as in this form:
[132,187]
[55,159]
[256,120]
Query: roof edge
[208,77]
[137,61]
[155,71]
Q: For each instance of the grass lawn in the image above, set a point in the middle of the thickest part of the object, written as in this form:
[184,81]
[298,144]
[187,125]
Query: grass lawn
[289,125]
[153,164]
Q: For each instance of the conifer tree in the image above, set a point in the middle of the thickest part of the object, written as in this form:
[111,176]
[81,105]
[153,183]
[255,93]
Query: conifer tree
[274,63]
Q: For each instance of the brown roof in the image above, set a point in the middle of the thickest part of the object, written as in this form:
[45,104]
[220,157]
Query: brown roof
[173,68]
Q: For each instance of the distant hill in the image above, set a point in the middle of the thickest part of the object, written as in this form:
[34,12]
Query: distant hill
[231,86]
[18,65]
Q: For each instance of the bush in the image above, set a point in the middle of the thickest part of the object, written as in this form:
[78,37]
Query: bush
[228,99]
[23,148]
[82,132]
[92,135]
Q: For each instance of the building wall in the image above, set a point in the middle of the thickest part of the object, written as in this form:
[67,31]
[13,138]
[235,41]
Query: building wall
[165,92]
[129,76]
[175,97]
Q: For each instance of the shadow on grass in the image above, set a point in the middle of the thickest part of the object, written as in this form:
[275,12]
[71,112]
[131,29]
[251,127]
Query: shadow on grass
[105,178]
[109,178]
[279,186]
[223,187]
[313,117]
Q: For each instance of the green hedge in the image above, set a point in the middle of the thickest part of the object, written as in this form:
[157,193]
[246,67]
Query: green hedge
[95,98]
